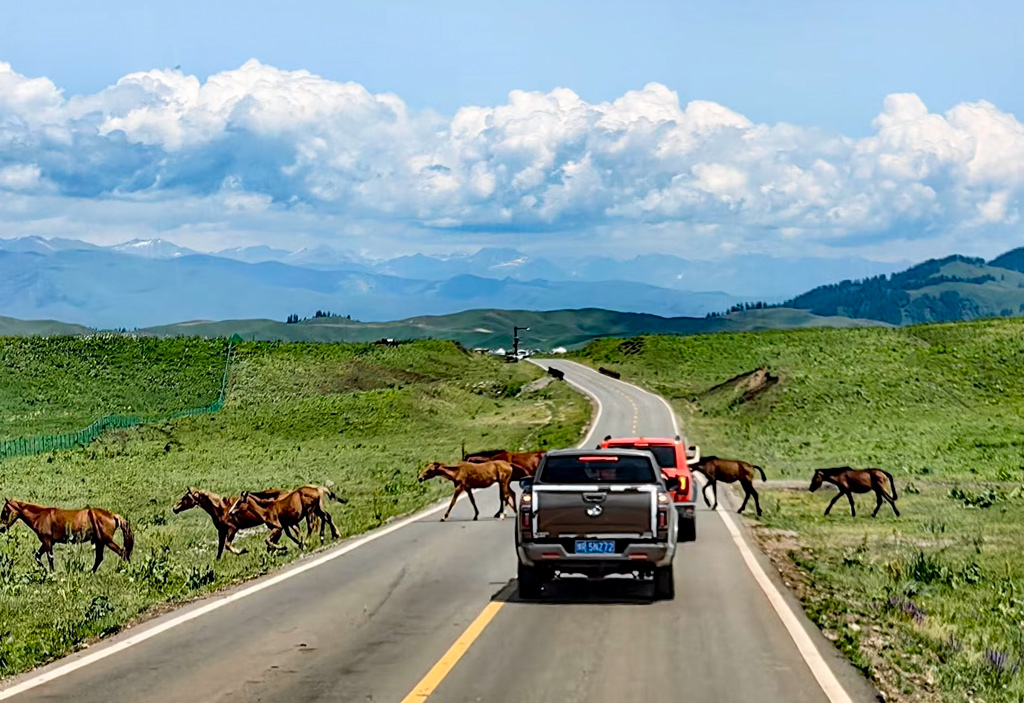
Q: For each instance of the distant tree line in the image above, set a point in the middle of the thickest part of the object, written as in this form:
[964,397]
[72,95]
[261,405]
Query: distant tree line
[294,317]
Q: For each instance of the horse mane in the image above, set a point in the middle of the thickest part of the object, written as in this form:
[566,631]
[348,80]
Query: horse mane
[835,470]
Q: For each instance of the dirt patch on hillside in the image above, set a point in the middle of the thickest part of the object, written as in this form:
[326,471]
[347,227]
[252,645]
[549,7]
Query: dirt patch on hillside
[747,386]
[361,376]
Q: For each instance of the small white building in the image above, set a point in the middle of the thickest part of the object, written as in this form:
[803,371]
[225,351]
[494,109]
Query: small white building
[559,350]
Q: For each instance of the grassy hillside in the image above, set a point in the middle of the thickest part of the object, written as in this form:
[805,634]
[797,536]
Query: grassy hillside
[11,327]
[929,604]
[361,418]
[493,328]
[64,383]
[939,290]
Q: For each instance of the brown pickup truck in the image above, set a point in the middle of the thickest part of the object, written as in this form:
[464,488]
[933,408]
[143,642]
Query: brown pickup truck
[596,513]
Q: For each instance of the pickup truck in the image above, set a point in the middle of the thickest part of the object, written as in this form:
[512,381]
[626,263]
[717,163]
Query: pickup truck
[675,458]
[596,513]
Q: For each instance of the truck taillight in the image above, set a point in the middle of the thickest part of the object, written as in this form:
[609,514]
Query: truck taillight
[684,486]
[526,514]
[662,520]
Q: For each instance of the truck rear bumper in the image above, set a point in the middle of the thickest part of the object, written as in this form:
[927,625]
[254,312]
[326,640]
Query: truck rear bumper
[635,557]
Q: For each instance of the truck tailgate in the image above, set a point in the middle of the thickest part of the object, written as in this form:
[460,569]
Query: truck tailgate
[594,511]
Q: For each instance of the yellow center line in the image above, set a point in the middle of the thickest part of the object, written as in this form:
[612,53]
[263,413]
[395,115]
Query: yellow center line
[429,683]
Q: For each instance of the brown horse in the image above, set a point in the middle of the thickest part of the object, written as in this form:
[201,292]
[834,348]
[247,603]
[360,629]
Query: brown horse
[467,475]
[56,526]
[729,471]
[283,514]
[850,481]
[218,507]
[524,464]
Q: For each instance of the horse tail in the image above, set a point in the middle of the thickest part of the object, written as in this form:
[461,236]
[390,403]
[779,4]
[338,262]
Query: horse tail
[892,483]
[129,536]
[763,477]
[334,496]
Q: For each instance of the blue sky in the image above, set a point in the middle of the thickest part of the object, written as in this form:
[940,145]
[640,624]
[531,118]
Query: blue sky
[941,175]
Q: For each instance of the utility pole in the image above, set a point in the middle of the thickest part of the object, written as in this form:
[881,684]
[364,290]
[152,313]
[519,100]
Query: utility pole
[515,340]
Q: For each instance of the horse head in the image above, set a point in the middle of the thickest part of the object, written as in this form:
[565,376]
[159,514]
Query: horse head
[240,504]
[817,480]
[187,502]
[434,469]
[8,515]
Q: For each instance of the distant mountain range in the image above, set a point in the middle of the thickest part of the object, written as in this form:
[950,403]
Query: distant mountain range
[146,283]
[139,286]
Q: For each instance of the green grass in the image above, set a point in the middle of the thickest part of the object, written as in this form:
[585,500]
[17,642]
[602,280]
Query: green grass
[65,383]
[361,418]
[940,407]
[493,328]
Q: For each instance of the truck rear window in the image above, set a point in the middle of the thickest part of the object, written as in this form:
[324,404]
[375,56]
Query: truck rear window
[604,469]
[665,456]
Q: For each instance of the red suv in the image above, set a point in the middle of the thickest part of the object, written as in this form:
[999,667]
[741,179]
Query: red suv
[674,458]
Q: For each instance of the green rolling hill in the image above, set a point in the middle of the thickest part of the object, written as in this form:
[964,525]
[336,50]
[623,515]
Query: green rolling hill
[493,328]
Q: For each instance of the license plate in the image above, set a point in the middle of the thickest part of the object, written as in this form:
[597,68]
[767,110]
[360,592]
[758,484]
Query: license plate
[594,546]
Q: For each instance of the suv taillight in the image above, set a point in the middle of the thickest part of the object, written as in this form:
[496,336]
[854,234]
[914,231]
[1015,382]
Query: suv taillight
[664,505]
[526,514]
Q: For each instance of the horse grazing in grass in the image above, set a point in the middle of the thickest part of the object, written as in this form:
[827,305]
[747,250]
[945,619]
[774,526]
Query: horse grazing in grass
[467,475]
[56,526]
[524,464]
[218,507]
[729,471]
[283,514]
[850,481]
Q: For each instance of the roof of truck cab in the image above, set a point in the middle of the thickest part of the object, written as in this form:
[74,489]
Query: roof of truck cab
[616,451]
[657,441]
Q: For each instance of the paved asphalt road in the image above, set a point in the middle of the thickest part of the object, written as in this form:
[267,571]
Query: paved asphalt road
[368,625]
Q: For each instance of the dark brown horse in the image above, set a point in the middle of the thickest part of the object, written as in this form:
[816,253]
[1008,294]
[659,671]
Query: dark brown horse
[729,471]
[524,464]
[467,475]
[56,526]
[218,507]
[850,481]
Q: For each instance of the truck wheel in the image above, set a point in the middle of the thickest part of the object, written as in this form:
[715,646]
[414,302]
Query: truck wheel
[688,529]
[530,582]
[664,583]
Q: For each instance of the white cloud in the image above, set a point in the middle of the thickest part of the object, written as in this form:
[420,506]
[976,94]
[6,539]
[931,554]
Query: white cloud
[20,177]
[258,140]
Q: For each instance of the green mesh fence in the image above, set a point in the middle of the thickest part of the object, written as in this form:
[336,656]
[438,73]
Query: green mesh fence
[41,444]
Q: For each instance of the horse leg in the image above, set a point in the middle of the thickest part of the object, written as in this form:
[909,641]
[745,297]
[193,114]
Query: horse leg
[714,491]
[757,502]
[455,497]
[275,535]
[229,535]
[293,538]
[99,557]
[878,504]
[503,501]
[476,510]
[837,497]
[49,555]
[892,502]
[853,510]
[704,493]
[746,496]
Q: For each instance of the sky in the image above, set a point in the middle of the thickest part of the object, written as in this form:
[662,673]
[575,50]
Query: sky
[878,129]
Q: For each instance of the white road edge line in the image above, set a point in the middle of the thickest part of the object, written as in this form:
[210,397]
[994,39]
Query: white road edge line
[220,602]
[215,604]
[820,669]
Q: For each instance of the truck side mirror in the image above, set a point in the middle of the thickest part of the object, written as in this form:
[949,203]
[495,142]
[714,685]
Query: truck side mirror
[672,484]
[526,483]
[693,454]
